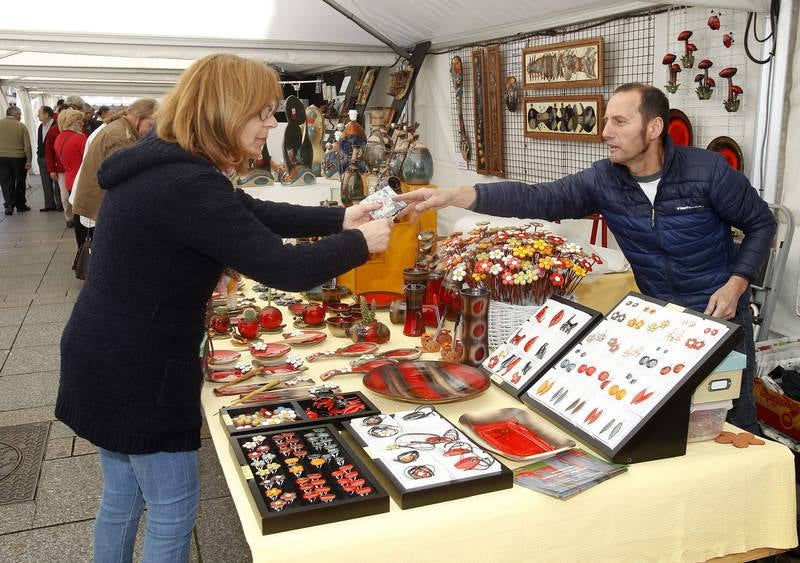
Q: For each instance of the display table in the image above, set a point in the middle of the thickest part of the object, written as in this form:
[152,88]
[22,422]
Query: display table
[714,501]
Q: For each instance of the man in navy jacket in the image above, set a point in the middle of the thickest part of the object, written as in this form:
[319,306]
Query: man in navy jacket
[670,209]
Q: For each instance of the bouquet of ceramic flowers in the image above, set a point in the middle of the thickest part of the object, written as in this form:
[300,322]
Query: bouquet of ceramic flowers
[520,265]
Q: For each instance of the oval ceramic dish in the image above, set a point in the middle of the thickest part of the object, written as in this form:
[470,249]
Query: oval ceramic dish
[224,357]
[427,382]
[680,128]
[730,149]
[269,351]
[511,432]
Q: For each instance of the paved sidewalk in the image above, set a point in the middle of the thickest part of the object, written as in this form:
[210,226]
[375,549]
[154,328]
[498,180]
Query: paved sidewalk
[37,292]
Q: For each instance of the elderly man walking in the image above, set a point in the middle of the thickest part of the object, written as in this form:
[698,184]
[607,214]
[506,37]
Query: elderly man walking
[15,160]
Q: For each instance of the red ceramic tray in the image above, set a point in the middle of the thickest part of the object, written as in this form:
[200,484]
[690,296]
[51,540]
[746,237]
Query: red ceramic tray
[272,350]
[427,382]
[382,299]
[680,128]
[222,357]
[730,149]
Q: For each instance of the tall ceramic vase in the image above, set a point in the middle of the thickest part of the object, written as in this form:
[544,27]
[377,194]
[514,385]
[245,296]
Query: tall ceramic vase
[474,325]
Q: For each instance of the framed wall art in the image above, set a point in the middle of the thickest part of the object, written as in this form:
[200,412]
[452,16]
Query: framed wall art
[566,118]
[572,64]
[479,97]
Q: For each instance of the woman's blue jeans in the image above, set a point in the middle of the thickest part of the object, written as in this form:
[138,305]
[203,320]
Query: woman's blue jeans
[168,484]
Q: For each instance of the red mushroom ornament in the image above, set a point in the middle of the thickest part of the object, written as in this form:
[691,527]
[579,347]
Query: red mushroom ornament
[706,84]
[689,48]
[732,102]
[672,73]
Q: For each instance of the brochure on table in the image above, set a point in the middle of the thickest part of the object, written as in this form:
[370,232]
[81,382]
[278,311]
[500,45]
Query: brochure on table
[532,349]
[625,383]
[426,458]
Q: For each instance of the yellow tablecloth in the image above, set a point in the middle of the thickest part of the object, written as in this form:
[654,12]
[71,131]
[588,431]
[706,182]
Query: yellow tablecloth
[715,500]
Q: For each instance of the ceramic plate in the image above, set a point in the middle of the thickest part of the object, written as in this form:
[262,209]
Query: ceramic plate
[271,350]
[224,357]
[680,128]
[382,299]
[730,149]
[306,338]
[427,382]
[512,433]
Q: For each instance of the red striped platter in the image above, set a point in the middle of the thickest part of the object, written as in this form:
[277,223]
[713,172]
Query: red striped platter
[427,382]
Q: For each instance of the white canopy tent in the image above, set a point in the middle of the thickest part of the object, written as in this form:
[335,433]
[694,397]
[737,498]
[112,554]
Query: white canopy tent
[140,50]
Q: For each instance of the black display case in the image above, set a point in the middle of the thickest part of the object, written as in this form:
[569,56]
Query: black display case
[541,340]
[338,489]
[299,406]
[625,389]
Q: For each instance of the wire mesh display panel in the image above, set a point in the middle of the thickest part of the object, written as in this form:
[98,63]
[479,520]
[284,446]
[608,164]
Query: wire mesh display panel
[709,118]
[628,57]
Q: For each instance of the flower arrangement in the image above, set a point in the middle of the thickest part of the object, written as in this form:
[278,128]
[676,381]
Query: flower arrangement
[521,265]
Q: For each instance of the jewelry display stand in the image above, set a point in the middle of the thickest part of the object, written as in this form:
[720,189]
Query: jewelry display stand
[291,491]
[625,389]
[299,406]
[426,459]
[538,344]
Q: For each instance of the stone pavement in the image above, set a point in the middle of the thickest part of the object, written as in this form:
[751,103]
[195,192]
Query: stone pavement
[37,292]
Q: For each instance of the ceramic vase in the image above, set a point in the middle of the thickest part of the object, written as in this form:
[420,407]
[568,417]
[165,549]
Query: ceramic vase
[474,325]
[418,166]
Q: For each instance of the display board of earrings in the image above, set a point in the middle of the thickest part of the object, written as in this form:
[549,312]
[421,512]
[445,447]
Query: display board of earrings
[540,341]
[426,458]
[626,387]
[304,477]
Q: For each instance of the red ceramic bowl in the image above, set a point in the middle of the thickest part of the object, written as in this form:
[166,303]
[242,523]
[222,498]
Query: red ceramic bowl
[339,326]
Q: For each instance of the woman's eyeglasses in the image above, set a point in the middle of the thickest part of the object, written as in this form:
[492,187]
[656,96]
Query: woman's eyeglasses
[266,113]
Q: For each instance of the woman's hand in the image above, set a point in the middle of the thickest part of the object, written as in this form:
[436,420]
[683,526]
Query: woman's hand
[377,234]
[358,215]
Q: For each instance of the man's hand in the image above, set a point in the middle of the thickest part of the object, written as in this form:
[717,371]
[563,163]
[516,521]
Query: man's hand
[54,176]
[357,215]
[723,302]
[422,200]
[27,166]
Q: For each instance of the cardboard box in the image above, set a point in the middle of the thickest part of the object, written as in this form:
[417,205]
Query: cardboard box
[724,382]
[779,411]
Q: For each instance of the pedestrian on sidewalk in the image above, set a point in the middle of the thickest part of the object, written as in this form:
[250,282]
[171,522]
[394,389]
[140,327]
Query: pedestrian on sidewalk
[15,160]
[69,149]
[46,114]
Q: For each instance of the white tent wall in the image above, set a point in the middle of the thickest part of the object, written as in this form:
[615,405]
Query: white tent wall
[787,313]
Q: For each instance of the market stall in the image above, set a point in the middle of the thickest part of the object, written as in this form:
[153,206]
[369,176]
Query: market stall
[680,508]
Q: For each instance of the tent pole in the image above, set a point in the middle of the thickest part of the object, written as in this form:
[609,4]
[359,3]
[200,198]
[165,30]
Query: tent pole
[369,29]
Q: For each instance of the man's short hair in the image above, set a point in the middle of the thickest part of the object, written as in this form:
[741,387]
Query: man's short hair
[13,111]
[48,110]
[75,102]
[654,103]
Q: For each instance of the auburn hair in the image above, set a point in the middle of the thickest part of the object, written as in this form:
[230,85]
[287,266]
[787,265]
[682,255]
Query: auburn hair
[213,99]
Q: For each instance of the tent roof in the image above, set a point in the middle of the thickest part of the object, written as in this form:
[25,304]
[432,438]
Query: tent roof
[141,49]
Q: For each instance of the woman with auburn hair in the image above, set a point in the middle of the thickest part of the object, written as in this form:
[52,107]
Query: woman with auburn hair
[69,146]
[171,220]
